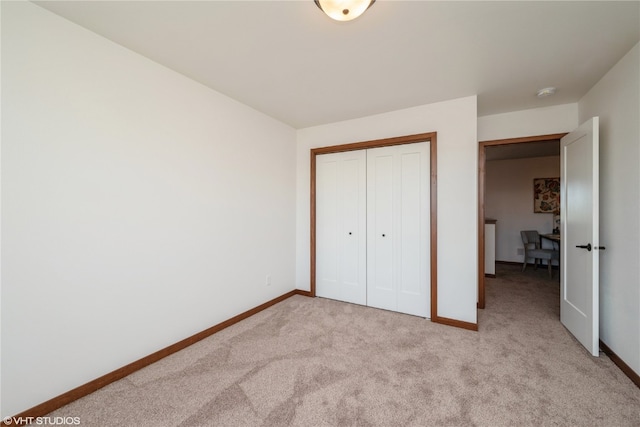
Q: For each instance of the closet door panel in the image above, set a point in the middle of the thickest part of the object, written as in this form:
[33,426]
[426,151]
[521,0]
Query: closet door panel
[409,224]
[381,290]
[327,214]
[352,232]
[341,226]
[413,221]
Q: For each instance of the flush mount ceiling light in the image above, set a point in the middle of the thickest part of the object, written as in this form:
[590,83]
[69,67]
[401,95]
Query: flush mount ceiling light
[547,91]
[343,10]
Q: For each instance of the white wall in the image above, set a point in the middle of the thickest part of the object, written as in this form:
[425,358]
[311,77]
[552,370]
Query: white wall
[138,207]
[455,123]
[533,122]
[509,199]
[616,100]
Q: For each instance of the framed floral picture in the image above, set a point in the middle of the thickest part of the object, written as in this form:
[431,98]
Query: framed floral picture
[546,195]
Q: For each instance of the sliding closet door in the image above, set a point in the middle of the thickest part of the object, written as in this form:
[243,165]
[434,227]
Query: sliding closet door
[398,228]
[341,226]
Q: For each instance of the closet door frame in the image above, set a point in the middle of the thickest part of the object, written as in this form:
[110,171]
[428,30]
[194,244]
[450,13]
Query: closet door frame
[431,137]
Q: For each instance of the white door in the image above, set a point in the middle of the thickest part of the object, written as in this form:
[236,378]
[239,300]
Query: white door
[341,226]
[398,251]
[381,286]
[580,241]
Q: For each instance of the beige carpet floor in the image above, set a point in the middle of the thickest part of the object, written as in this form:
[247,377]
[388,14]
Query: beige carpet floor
[317,362]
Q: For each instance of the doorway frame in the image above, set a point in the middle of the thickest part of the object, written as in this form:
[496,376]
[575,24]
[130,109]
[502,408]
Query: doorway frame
[481,193]
[433,210]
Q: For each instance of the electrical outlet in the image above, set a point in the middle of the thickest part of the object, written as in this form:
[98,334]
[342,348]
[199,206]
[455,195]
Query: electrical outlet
[268,280]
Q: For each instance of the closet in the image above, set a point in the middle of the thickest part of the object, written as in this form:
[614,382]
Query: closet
[373,228]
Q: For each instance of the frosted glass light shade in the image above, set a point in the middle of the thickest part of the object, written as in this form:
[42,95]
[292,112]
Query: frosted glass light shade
[343,10]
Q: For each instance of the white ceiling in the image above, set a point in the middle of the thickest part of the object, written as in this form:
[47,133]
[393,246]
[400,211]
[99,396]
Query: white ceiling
[290,61]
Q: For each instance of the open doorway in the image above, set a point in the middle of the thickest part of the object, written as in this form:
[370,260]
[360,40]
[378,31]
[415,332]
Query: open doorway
[504,149]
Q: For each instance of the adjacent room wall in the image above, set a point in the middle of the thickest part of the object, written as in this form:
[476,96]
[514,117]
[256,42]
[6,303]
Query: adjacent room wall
[138,207]
[616,100]
[455,123]
[509,199]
